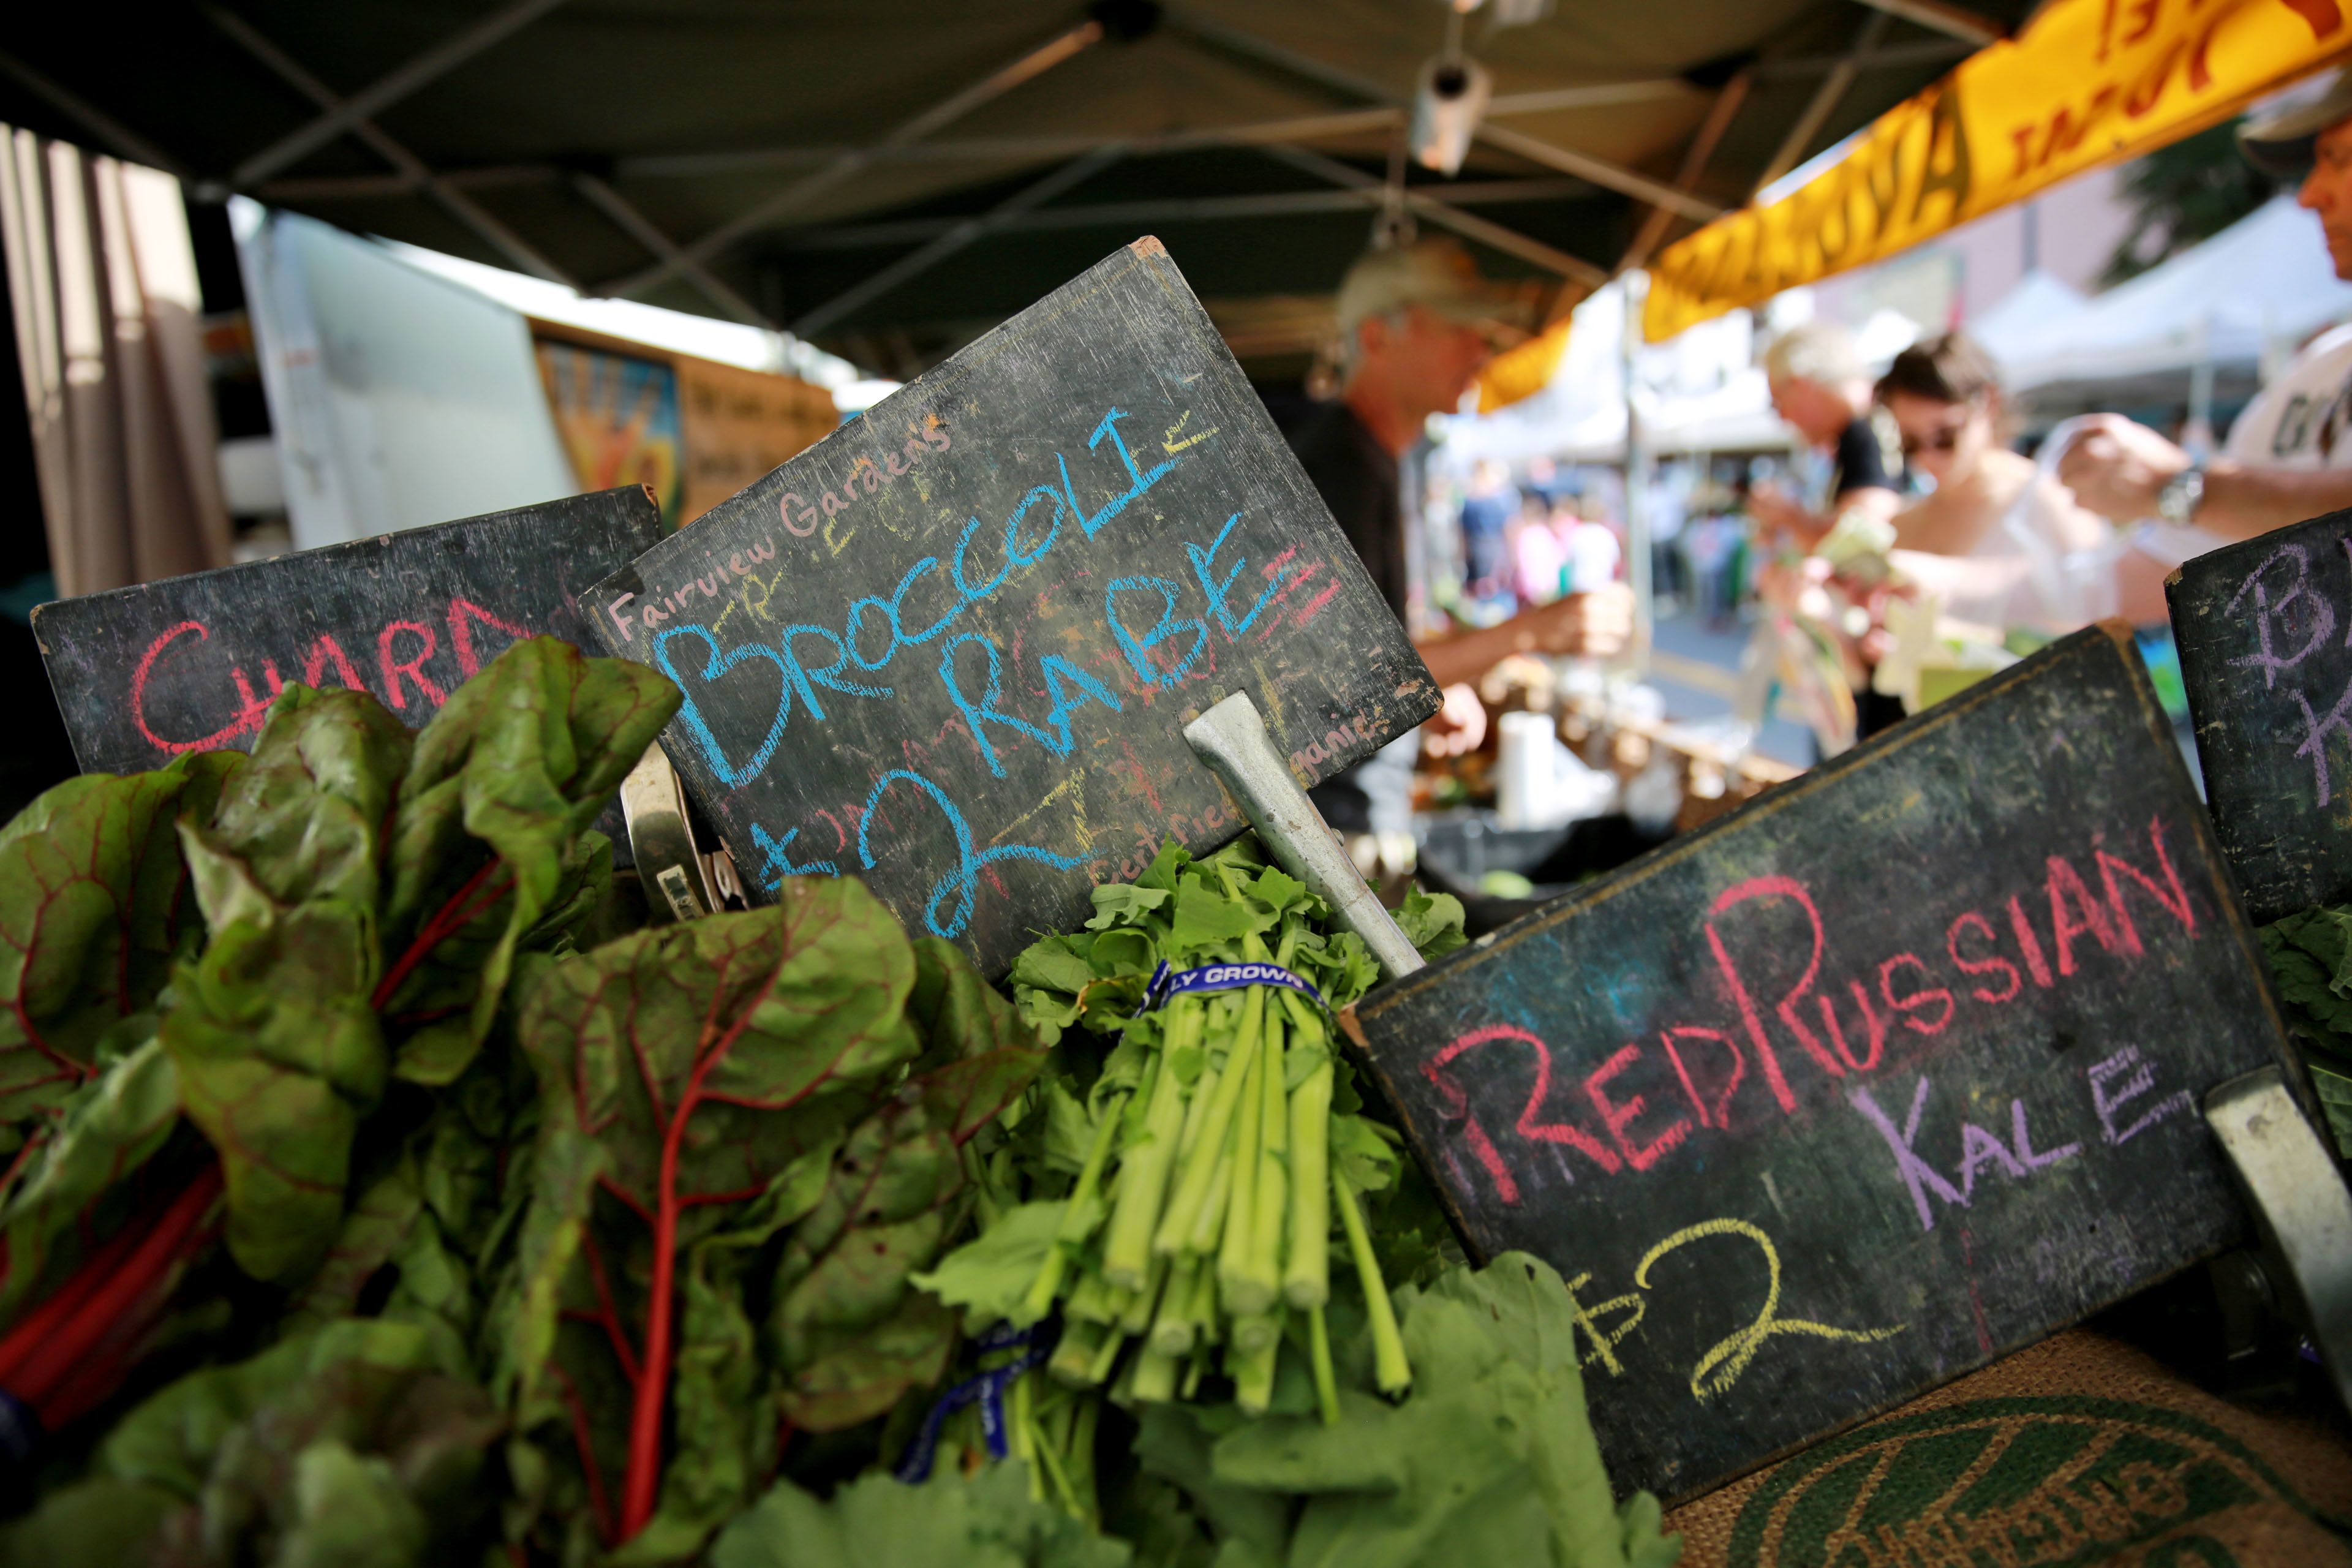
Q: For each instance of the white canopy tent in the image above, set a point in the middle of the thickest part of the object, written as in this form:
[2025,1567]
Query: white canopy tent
[2244,298]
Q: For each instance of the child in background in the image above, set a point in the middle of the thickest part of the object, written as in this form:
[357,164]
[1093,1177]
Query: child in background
[1537,554]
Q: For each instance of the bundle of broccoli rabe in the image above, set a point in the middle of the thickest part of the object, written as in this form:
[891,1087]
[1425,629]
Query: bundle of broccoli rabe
[1181,1184]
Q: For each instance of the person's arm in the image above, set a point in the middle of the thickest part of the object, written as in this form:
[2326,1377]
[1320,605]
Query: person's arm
[1776,510]
[2117,468]
[1597,623]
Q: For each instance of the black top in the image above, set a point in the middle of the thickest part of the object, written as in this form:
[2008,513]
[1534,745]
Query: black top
[1357,478]
[1865,461]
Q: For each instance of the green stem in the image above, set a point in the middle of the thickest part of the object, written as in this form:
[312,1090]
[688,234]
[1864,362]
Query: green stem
[1173,1330]
[1105,1359]
[1080,1215]
[1044,1456]
[1075,1356]
[1198,1168]
[1258,1284]
[1306,1273]
[1143,1180]
[1211,1223]
[1240,1206]
[1257,1331]
[1136,1319]
[1252,1375]
[1390,1371]
[1327,1384]
[1155,1377]
[1203,1310]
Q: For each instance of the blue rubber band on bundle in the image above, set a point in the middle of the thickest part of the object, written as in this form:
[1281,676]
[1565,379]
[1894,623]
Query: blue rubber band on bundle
[1167,982]
[987,1389]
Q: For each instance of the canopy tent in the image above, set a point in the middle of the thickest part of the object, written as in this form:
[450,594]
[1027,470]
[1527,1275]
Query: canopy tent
[2089,82]
[2250,293]
[891,177]
[2019,319]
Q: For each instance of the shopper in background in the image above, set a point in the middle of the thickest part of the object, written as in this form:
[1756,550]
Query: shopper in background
[1416,323]
[2289,455]
[1486,512]
[1997,544]
[1821,386]
[1538,558]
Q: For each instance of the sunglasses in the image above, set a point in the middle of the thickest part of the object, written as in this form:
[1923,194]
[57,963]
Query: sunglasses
[1943,440]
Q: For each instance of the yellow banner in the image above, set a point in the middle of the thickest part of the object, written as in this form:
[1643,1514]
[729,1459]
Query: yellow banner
[2089,82]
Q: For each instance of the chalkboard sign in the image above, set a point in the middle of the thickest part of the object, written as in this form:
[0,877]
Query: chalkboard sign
[191,663]
[1881,1077]
[952,649]
[2262,629]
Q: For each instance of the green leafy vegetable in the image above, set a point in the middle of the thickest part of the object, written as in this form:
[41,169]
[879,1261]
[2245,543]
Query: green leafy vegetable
[93,913]
[704,1087]
[351,1445]
[2310,953]
[986,1521]
[1490,1460]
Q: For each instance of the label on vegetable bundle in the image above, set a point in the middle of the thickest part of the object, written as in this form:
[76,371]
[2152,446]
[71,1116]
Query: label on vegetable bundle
[1167,982]
[953,647]
[1888,1073]
[2262,628]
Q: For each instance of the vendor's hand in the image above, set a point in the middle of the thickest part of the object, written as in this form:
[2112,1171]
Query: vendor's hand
[1595,624]
[2115,467]
[1457,728]
[1776,508]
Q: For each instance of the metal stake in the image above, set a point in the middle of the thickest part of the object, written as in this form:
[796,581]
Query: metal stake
[2301,1208]
[1230,739]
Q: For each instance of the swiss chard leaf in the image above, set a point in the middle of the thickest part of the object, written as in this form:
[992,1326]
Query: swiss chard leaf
[353,1443]
[520,759]
[106,1132]
[276,1040]
[694,1081]
[94,910]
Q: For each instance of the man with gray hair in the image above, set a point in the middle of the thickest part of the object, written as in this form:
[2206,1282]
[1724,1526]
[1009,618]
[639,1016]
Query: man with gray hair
[1820,386]
[1416,324]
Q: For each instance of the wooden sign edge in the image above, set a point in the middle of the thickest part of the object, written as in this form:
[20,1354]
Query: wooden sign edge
[2117,638]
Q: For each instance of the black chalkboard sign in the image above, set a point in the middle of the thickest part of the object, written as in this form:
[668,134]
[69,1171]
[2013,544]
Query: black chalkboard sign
[952,649]
[191,663]
[2265,652]
[1883,1075]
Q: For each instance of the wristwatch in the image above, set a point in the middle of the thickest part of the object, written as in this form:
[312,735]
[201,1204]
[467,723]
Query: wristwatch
[2178,501]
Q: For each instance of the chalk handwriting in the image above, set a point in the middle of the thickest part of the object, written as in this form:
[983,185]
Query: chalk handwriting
[2138,1077]
[2319,617]
[959,881]
[1721,1365]
[413,674]
[1830,1029]
[1980,1151]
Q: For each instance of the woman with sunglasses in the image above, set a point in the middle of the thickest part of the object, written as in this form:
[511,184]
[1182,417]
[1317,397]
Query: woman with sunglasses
[1997,543]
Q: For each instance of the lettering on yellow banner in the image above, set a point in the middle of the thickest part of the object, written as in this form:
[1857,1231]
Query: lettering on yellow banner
[2090,82]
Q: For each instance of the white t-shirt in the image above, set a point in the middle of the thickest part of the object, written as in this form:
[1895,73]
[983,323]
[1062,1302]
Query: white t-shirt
[2302,420]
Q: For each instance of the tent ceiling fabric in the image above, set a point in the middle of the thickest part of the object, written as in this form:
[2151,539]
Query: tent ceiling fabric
[695,113]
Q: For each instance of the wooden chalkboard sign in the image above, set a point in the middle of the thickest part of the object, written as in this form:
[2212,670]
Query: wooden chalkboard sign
[2262,629]
[1877,1079]
[191,663]
[952,649]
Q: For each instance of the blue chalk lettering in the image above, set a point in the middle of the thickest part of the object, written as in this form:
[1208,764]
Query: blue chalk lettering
[849,632]
[897,603]
[1204,561]
[776,865]
[830,676]
[713,667]
[1169,624]
[1139,481]
[961,881]
[977,718]
[1014,554]
[1071,689]
[963,584]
